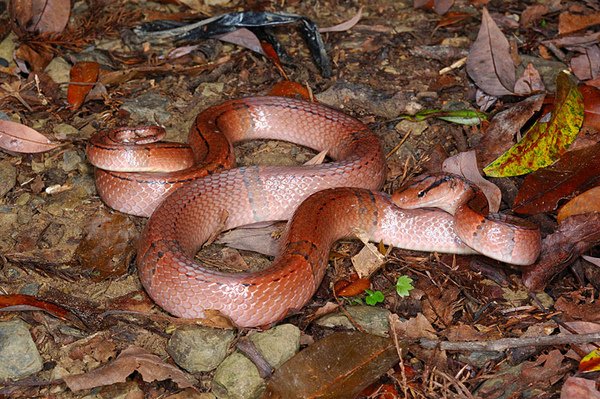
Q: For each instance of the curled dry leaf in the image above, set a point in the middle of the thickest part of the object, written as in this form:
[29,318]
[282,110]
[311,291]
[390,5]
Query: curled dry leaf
[40,16]
[500,133]
[587,202]
[344,26]
[587,65]
[465,164]
[530,82]
[489,63]
[259,239]
[150,367]
[20,138]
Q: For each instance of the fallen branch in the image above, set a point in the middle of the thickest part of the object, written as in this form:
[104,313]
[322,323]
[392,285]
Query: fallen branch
[500,345]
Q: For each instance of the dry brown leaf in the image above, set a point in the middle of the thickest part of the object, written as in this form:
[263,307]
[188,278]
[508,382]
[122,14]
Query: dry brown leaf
[568,23]
[317,159]
[150,367]
[500,134]
[338,366]
[578,388]
[465,164]
[533,13]
[344,26]
[530,82]
[586,202]
[489,63]
[42,16]
[244,38]
[23,139]
[261,239]
[587,65]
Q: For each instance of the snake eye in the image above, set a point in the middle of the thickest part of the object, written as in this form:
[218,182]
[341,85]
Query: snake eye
[421,194]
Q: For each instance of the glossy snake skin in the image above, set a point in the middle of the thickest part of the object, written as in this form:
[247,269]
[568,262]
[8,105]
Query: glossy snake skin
[343,199]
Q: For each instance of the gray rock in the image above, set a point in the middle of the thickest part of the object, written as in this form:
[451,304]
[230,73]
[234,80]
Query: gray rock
[197,348]
[63,130]
[148,108]
[373,320]
[7,48]
[278,344]
[237,378]
[71,160]
[59,70]
[19,356]
[8,177]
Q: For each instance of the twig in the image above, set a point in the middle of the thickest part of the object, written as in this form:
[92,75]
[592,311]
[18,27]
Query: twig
[500,345]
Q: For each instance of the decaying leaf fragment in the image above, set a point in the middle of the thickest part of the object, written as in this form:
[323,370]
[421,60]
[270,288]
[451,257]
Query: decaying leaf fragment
[546,141]
[150,367]
[338,366]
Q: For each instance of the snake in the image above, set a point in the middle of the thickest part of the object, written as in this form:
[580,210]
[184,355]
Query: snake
[199,194]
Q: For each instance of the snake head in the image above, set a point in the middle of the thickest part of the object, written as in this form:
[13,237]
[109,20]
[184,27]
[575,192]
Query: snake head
[442,190]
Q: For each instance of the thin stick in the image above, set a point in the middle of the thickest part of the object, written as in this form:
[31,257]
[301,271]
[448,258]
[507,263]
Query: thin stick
[500,345]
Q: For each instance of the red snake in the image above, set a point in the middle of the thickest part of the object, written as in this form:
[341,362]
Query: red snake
[211,200]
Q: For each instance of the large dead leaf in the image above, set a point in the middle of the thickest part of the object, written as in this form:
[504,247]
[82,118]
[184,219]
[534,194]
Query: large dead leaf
[340,366]
[20,138]
[545,142]
[43,16]
[489,63]
[150,367]
[575,172]
[574,236]
[500,133]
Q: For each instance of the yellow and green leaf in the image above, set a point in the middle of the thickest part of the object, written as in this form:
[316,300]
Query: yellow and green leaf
[591,362]
[546,141]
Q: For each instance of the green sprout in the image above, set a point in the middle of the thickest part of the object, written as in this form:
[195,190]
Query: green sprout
[374,297]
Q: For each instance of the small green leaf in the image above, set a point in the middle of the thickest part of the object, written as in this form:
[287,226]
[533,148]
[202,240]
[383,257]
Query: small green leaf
[467,117]
[374,297]
[404,286]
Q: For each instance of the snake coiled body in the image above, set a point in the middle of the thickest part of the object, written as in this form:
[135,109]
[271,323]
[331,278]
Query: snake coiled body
[200,202]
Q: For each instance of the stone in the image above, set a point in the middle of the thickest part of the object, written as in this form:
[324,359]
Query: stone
[374,320]
[198,348]
[148,108]
[19,356]
[8,177]
[237,378]
[278,344]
